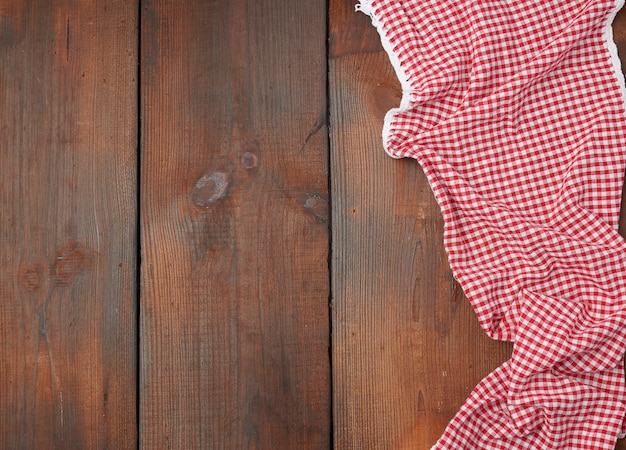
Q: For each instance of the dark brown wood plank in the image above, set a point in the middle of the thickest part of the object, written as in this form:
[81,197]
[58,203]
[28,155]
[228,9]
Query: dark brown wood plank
[407,348]
[68,139]
[234,315]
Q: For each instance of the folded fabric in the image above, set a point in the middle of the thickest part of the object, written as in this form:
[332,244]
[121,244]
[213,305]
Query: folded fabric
[516,112]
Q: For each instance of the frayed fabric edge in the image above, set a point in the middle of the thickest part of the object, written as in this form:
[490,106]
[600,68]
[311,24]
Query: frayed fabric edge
[367,8]
[615,59]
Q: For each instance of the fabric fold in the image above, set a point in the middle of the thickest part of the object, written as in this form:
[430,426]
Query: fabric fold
[515,111]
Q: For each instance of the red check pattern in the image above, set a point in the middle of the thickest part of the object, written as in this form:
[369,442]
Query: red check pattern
[515,110]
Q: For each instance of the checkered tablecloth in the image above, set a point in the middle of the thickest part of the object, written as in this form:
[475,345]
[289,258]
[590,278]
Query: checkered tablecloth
[515,109]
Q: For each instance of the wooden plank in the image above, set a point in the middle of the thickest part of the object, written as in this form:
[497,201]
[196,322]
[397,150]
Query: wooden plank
[407,348]
[234,315]
[68,144]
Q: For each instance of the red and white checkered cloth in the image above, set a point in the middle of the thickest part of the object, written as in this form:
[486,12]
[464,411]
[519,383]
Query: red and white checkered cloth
[515,109]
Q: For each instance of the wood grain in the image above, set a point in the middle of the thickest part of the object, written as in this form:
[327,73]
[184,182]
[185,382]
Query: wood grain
[234,315]
[235,232]
[68,134]
[407,348]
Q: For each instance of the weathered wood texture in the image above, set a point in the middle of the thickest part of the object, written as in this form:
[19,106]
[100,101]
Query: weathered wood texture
[68,139]
[234,312]
[235,232]
[407,349]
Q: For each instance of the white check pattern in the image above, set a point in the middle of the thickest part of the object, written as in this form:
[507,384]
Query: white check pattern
[515,111]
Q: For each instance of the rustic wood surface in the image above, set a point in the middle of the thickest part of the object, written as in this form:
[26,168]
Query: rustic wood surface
[234,188]
[68,139]
[233,336]
[407,349]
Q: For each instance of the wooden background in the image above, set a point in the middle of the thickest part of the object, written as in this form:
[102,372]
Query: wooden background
[203,243]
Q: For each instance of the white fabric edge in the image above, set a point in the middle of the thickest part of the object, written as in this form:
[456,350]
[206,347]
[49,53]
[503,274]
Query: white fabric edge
[365,6]
[610,43]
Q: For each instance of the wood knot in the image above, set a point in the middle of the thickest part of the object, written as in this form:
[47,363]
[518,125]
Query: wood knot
[317,206]
[69,261]
[249,160]
[31,277]
[209,188]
